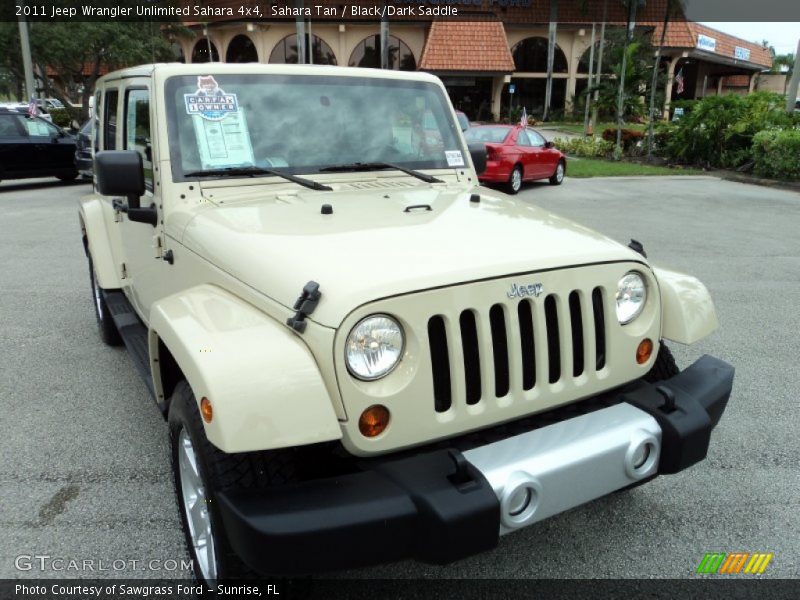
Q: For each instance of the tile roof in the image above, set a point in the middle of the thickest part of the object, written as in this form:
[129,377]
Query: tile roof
[467,46]
[683,34]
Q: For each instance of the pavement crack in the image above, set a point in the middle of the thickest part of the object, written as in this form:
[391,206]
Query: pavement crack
[58,503]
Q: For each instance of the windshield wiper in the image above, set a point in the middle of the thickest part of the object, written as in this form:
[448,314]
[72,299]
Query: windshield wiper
[376,166]
[251,171]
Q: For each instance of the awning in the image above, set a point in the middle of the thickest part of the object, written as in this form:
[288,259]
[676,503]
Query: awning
[467,46]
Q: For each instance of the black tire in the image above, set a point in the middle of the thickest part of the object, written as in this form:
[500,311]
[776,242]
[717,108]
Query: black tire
[557,178]
[220,471]
[69,177]
[108,330]
[664,366]
[514,184]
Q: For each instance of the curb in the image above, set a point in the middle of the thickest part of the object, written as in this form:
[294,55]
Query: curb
[793,186]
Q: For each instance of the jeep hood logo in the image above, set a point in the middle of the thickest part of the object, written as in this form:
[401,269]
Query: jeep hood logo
[522,290]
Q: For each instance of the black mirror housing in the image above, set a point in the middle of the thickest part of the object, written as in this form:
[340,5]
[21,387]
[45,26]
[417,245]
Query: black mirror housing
[477,150]
[120,173]
[549,145]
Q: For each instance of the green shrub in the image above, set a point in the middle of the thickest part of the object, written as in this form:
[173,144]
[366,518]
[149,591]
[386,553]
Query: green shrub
[777,154]
[718,131]
[590,147]
[63,117]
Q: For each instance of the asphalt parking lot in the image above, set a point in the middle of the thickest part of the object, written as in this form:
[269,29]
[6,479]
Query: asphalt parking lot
[85,473]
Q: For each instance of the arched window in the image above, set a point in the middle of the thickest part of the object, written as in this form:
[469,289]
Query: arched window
[530,56]
[241,50]
[286,51]
[368,54]
[583,64]
[200,52]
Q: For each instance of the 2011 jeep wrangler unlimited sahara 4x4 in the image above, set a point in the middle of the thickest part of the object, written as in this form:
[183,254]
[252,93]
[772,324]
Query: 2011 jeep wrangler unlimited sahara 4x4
[361,354]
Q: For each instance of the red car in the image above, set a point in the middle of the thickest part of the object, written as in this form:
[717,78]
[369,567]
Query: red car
[516,154]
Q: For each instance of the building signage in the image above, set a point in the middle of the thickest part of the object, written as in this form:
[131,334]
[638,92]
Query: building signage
[706,43]
[741,53]
[511,88]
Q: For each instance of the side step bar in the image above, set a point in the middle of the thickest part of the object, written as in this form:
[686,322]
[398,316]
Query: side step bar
[133,333]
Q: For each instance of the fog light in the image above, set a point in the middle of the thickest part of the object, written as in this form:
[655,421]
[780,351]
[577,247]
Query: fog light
[644,351]
[373,420]
[206,410]
[640,456]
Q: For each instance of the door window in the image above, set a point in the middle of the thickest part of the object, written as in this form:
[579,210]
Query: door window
[522,139]
[536,139]
[137,129]
[110,120]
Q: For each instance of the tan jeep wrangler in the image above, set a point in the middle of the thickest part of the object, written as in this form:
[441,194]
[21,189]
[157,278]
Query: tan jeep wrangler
[362,355]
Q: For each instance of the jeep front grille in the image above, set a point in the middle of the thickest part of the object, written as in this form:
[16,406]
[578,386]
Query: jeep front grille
[528,342]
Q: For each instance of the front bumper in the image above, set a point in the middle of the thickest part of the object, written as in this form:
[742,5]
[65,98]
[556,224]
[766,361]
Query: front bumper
[445,504]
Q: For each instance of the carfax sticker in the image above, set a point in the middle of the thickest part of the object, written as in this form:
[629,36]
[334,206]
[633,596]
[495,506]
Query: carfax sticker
[454,158]
[210,101]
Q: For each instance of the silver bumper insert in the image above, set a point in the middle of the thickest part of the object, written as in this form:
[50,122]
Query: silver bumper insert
[549,470]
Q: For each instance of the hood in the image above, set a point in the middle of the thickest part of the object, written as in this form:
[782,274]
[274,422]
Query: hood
[380,243]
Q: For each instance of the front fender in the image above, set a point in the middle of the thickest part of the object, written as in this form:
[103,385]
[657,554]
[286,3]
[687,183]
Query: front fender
[98,243]
[687,310]
[263,383]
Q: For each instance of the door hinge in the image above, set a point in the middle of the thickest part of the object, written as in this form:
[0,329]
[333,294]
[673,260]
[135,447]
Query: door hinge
[123,271]
[157,246]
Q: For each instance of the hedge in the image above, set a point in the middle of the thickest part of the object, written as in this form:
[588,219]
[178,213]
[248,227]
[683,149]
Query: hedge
[586,147]
[777,154]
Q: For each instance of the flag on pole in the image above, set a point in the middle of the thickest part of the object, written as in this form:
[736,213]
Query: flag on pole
[679,81]
[33,108]
[523,121]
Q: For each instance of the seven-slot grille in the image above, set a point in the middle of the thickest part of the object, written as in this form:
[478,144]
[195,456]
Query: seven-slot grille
[518,345]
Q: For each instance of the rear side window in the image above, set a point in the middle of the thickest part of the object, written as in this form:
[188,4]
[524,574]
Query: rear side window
[110,120]
[11,127]
[96,119]
[137,129]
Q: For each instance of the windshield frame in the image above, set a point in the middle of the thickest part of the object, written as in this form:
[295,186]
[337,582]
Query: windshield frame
[172,115]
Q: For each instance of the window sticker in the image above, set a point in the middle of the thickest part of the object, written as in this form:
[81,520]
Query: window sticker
[454,158]
[224,143]
[210,102]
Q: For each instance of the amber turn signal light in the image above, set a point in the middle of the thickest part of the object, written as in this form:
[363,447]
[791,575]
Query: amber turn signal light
[206,410]
[644,351]
[373,421]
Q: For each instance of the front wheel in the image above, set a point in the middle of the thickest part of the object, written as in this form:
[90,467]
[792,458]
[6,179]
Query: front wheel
[664,366]
[558,175]
[69,177]
[514,184]
[200,472]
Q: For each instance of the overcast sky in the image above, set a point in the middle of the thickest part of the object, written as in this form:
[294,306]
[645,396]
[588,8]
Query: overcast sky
[783,36]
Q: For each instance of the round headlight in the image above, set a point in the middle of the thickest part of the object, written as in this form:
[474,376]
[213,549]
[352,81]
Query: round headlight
[631,296]
[374,347]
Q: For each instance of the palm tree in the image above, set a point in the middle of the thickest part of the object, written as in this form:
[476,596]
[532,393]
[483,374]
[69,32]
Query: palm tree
[551,50]
[674,7]
[599,69]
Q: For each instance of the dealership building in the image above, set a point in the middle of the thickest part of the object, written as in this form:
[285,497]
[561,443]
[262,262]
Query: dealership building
[489,49]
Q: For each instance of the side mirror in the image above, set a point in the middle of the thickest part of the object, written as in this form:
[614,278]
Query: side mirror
[477,150]
[120,173]
[549,145]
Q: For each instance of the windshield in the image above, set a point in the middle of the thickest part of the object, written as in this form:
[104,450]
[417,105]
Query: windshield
[302,124]
[492,135]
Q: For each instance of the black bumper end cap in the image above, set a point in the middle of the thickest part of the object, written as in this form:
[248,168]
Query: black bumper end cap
[687,407]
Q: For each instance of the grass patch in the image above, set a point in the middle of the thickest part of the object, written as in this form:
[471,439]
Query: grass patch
[595,167]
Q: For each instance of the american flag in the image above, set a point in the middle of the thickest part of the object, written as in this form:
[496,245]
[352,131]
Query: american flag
[679,81]
[33,108]
[523,121]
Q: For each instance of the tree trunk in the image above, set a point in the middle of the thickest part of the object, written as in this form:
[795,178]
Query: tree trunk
[588,86]
[599,70]
[623,68]
[654,83]
[551,50]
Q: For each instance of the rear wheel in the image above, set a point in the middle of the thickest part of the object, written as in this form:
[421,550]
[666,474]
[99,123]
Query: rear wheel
[200,472]
[515,180]
[558,175]
[108,330]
